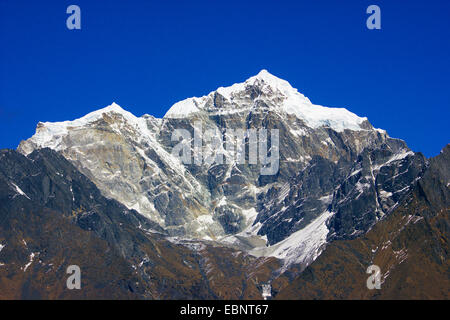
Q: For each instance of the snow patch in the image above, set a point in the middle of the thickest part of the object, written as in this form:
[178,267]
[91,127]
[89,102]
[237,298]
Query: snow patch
[385,194]
[184,108]
[32,255]
[303,246]
[19,191]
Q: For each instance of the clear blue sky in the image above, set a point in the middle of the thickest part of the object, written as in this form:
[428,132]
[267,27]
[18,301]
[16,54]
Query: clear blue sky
[147,55]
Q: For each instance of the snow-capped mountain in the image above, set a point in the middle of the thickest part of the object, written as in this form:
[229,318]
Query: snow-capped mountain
[337,174]
[271,93]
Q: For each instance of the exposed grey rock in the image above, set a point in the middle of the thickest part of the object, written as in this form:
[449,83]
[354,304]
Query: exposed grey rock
[332,163]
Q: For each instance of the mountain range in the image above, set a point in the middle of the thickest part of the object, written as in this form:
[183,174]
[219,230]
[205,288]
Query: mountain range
[106,192]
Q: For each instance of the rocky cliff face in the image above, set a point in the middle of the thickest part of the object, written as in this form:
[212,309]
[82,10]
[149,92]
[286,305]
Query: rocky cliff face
[411,248]
[336,175]
[52,216]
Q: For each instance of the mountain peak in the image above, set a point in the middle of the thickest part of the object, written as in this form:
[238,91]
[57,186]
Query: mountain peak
[277,94]
[266,75]
[113,107]
[50,133]
[264,80]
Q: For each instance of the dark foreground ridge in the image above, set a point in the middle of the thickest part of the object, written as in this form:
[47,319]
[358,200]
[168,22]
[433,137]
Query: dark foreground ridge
[52,216]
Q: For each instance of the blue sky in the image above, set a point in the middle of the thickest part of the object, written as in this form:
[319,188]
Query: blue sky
[147,55]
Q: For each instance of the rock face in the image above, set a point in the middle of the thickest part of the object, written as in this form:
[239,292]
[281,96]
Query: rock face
[52,216]
[335,178]
[410,247]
